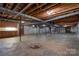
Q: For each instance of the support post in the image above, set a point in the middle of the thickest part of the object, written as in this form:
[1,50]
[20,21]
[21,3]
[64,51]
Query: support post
[20,30]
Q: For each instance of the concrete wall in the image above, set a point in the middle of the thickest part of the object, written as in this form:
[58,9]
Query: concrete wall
[75,29]
[31,30]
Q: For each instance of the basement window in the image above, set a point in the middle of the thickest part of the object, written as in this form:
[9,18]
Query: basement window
[8,29]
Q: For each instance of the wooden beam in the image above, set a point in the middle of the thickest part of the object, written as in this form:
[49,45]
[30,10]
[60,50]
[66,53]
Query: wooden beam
[57,10]
[63,16]
[23,10]
[16,6]
[9,5]
[36,8]
[1,4]
[38,11]
[21,14]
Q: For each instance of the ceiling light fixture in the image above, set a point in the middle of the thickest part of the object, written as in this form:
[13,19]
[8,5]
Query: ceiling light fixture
[22,21]
[50,12]
[33,25]
[44,25]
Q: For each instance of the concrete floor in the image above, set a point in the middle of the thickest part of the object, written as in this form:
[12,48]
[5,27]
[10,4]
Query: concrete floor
[51,45]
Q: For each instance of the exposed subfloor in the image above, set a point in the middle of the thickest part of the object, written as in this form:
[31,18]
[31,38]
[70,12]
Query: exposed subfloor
[50,45]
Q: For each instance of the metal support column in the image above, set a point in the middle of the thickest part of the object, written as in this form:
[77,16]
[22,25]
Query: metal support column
[20,31]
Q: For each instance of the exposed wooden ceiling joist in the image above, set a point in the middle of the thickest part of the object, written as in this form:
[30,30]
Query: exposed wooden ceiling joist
[58,9]
[9,5]
[38,6]
[23,10]
[21,14]
[63,16]
[1,4]
[38,11]
[68,19]
[66,12]
[16,6]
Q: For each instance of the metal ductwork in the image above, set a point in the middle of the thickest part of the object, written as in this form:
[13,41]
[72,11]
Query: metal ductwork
[58,17]
[63,16]
[21,14]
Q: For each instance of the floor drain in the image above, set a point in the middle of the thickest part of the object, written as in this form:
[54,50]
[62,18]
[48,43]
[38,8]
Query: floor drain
[35,46]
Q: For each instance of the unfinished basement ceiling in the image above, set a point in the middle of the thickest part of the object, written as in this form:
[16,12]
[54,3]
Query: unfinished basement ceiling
[31,12]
